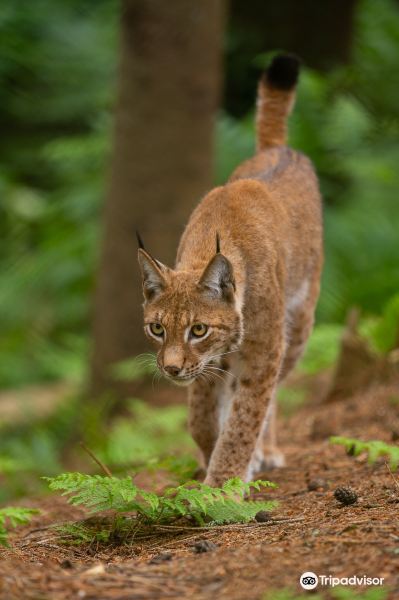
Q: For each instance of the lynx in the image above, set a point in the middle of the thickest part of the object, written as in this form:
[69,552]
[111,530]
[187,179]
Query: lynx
[232,318]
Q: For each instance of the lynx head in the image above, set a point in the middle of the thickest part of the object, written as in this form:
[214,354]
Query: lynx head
[191,317]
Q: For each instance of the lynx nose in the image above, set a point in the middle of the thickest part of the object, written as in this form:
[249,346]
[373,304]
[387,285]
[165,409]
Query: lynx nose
[171,370]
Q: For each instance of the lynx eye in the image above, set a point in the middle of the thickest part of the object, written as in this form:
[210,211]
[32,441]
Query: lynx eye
[199,330]
[157,329]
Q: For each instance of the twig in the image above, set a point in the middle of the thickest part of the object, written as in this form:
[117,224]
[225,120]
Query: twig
[44,528]
[102,466]
[230,526]
[391,474]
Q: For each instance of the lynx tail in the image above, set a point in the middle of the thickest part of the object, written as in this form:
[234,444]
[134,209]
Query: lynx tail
[276,96]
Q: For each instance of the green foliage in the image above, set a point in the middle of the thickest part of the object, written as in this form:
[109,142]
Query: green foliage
[374,448]
[322,348]
[57,65]
[235,142]
[347,121]
[133,368]
[380,331]
[36,445]
[12,516]
[57,87]
[383,332]
[344,593]
[337,593]
[183,468]
[290,399]
[287,594]
[86,532]
[149,433]
[195,500]
[145,439]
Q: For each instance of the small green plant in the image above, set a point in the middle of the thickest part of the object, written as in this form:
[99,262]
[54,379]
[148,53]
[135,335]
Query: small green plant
[195,500]
[343,593]
[338,593]
[374,448]
[12,516]
[287,594]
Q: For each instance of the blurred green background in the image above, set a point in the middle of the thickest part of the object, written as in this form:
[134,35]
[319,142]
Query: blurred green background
[57,85]
[58,63]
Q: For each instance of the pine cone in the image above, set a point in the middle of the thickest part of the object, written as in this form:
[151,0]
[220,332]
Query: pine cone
[204,546]
[263,516]
[345,496]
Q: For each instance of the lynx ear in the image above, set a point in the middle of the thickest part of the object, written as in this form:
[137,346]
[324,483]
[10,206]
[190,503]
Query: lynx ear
[153,274]
[217,281]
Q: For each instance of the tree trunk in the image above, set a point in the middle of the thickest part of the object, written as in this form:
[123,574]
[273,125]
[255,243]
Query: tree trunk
[169,83]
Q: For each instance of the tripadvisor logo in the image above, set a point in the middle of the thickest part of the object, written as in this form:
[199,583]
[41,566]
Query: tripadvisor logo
[309,580]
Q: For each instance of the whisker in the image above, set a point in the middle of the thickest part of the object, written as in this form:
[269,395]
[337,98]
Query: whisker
[224,353]
[222,370]
[203,375]
[219,356]
[150,355]
[214,374]
[155,379]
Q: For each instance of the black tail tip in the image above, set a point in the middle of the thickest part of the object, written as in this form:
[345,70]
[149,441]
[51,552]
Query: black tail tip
[283,71]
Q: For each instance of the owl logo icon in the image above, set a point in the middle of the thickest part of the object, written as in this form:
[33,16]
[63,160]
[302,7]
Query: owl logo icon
[308,580]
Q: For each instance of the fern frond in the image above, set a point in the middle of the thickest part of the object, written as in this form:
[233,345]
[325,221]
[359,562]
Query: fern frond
[95,492]
[230,511]
[374,448]
[12,516]
[197,500]
[236,486]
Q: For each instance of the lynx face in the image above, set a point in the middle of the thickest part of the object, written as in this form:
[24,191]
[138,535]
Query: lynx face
[191,318]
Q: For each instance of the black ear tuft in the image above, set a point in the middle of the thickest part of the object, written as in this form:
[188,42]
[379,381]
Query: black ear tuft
[153,275]
[283,71]
[217,243]
[139,240]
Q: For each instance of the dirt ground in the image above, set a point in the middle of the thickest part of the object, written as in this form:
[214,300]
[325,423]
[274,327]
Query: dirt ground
[310,531]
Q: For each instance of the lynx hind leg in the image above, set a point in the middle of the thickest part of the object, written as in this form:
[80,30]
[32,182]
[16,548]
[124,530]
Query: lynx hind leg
[267,454]
[273,458]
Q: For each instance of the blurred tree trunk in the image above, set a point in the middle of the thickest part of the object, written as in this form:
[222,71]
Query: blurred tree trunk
[358,366]
[169,83]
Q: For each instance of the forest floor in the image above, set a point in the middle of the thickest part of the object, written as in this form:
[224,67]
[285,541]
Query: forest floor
[309,531]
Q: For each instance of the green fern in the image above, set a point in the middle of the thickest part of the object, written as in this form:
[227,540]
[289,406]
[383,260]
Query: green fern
[83,532]
[12,516]
[374,448]
[230,511]
[196,500]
